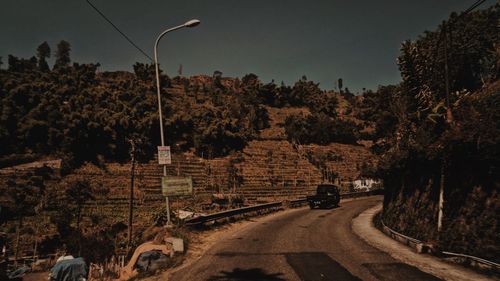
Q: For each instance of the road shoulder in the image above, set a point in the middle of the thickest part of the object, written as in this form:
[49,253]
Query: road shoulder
[363,226]
[205,240]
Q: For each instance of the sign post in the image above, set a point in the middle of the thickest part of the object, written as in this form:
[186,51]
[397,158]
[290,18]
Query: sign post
[164,156]
[176,186]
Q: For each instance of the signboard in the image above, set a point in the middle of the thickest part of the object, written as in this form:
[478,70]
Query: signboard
[164,157]
[176,186]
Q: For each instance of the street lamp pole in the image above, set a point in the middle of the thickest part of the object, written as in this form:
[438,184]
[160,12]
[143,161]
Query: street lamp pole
[191,23]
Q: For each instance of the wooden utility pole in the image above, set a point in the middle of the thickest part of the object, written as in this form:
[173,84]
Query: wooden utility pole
[441,195]
[449,120]
[35,246]
[131,201]
[449,115]
[18,234]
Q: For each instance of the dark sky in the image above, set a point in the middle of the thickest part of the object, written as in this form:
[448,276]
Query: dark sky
[275,39]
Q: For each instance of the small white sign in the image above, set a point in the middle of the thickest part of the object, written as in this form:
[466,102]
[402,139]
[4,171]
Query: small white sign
[164,157]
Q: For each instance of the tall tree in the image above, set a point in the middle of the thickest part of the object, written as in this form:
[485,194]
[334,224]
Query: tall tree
[144,71]
[78,192]
[217,77]
[43,52]
[62,54]
[179,71]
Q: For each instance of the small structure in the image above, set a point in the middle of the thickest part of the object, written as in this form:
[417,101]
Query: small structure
[360,185]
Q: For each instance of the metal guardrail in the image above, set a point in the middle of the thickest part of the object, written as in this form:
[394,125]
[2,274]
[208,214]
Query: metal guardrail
[346,195]
[474,260]
[297,203]
[294,203]
[417,245]
[421,247]
[231,213]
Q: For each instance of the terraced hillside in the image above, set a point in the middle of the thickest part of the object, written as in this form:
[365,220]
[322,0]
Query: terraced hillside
[268,168]
[345,160]
[274,170]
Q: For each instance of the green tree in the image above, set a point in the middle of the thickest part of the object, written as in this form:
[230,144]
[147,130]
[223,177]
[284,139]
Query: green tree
[78,192]
[305,92]
[250,85]
[379,108]
[62,54]
[326,104]
[268,94]
[21,65]
[145,72]
[43,52]
[217,79]
[320,129]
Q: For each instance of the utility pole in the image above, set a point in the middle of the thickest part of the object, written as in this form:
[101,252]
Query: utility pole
[131,201]
[448,120]
[449,114]
[18,234]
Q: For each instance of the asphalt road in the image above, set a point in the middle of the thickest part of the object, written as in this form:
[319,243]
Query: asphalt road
[301,244]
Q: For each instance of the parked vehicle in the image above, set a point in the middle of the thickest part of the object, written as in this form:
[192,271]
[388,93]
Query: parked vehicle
[327,196]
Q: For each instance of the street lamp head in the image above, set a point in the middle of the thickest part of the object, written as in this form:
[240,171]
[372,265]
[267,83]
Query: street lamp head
[192,23]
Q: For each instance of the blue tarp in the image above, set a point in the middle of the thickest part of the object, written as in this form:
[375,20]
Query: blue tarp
[19,273]
[151,261]
[69,270]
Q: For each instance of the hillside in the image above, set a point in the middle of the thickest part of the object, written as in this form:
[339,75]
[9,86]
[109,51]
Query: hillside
[228,134]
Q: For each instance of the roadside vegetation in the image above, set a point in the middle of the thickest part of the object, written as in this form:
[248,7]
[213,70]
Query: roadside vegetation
[428,140]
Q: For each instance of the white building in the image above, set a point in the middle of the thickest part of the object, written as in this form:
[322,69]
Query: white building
[365,184]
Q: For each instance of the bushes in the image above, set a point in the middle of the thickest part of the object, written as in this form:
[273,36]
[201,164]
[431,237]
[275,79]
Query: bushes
[82,115]
[320,129]
[423,140]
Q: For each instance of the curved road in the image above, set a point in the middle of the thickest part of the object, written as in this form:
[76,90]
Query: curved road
[300,244]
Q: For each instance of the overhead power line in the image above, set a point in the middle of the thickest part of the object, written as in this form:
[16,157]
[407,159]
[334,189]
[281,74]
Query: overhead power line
[473,6]
[121,32]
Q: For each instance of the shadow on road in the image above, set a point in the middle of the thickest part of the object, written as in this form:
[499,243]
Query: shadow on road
[398,271]
[318,266]
[327,208]
[247,274]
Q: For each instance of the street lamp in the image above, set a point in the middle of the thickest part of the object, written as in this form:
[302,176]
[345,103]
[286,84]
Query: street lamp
[190,23]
